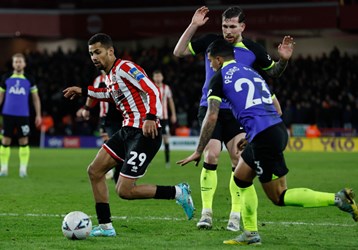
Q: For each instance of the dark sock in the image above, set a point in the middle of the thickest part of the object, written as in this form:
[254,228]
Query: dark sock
[166,150]
[103,213]
[165,192]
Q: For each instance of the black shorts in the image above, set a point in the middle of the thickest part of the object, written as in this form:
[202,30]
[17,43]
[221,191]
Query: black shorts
[265,153]
[137,151]
[165,126]
[227,127]
[16,124]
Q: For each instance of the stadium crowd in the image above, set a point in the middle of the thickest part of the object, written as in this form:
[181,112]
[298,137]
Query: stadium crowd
[320,90]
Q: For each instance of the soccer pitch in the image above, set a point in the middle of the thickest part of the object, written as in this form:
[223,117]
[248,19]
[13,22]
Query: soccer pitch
[32,209]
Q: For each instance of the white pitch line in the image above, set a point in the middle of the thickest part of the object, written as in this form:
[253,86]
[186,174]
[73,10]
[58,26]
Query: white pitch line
[285,223]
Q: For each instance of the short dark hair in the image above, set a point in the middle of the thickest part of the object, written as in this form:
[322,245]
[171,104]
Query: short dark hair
[234,11]
[157,71]
[102,38]
[221,47]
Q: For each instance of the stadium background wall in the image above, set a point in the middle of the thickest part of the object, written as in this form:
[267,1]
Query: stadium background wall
[295,144]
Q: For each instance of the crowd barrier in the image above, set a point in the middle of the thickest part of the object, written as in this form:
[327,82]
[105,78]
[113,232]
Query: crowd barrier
[295,144]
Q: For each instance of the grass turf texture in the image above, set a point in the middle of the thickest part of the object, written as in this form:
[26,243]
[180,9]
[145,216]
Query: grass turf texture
[32,209]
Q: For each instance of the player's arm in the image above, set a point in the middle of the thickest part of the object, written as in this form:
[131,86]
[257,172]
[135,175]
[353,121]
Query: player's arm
[277,105]
[214,98]
[285,50]
[206,131]
[2,89]
[2,94]
[209,123]
[37,106]
[199,19]
[85,110]
[173,118]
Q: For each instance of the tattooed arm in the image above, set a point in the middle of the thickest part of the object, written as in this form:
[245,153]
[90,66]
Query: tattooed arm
[209,124]
[207,129]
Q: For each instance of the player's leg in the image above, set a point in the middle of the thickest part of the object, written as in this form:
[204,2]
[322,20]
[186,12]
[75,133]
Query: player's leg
[24,155]
[234,219]
[24,148]
[232,133]
[96,171]
[5,152]
[208,175]
[208,182]
[9,124]
[141,151]
[166,150]
[166,133]
[243,178]
[278,193]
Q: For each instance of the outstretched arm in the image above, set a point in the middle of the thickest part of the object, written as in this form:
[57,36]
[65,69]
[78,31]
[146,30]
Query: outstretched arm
[72,92]
[199,19]
[285,50]
[206,132]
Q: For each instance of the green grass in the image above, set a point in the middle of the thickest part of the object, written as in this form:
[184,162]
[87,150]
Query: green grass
[31,209]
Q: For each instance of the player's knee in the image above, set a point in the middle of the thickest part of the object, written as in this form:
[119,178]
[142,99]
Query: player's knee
[278,199]
[93,173]
[211,156]
[90,172]
[124,193]
[241,183]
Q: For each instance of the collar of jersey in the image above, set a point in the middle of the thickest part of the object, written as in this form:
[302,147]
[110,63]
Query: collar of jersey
[240,45]
[229,62]
[14,75]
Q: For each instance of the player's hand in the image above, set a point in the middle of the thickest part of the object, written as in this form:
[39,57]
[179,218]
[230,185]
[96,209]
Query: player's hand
[150,129]
[242,144]
[79,113]
[173,119]
[38,121]
[104,137]
[200,17]
[194,157]
[285,49]
[72,92]
[85,114]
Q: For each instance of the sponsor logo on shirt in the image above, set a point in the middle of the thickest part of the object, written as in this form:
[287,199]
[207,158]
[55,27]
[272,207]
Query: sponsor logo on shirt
[136,74]
[17,89]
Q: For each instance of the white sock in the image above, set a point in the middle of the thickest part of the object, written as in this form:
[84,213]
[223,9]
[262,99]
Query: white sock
[106,226]
[178,192]
[207,211]
[23,168]
[4,168]
[235,214]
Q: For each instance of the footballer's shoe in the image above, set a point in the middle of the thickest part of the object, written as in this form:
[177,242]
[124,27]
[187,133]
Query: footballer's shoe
[344,200]
[185,200]
[3,173]
[234,223]
[22,174]
[246,238]
[206,221]
[98,231]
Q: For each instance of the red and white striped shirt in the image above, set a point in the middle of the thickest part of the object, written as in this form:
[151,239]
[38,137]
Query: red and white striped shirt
[165,95]
[129,87]
[103,106]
